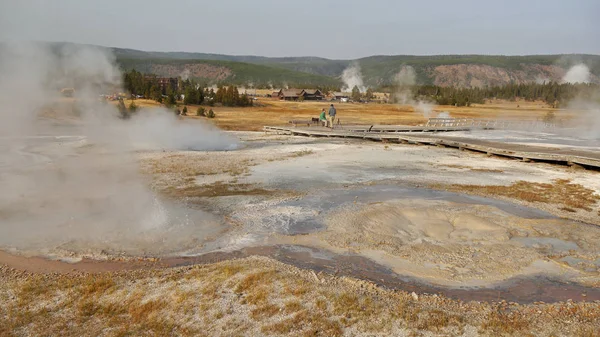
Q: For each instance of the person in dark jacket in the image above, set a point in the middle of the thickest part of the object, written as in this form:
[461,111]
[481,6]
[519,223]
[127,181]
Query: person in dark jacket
[331,117]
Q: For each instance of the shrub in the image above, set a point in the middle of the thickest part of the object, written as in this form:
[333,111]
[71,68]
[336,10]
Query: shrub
[133,107]
[211,114]
[549,117]
[123,112]
[184,111]
[201,112]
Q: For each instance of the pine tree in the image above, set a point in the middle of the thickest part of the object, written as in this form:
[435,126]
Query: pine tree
[171,100]
[369,94]
[199,95]
[356,94]
[236,96]
[220,95]
[229,99]
[190,96]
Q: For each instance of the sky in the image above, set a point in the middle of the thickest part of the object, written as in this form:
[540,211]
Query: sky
[334,29]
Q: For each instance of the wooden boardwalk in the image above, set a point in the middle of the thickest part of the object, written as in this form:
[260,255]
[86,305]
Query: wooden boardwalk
[564,156]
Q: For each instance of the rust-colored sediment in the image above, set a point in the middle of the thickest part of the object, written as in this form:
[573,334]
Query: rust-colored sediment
[36,264]
[520,290]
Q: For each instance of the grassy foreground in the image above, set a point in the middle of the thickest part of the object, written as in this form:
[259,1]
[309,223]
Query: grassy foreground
[258,296]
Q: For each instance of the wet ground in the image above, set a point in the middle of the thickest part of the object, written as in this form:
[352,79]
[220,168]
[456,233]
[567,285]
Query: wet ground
[519,290]
[358,209]
[561,140]
[327,200]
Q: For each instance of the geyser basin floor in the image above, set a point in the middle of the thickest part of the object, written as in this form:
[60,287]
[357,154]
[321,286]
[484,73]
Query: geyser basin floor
[369,200]
[366,199]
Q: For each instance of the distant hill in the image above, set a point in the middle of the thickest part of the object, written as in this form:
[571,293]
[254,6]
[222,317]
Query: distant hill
[476,70]
[377,71]
[228,72]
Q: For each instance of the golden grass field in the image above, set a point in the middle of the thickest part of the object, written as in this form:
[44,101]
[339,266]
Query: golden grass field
[274,112]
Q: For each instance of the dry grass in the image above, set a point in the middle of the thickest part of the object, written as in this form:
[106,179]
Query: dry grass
[186,165]
[301,153]
[474,169]
[264,311]
[218,189]
[274,112]
[256,296]
[569,196]
[504,323]
[486,170]
[292,306]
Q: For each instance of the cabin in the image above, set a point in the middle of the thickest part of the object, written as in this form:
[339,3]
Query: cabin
[339,96]
[288,94]
[164,83]
[297,94]
[311,95]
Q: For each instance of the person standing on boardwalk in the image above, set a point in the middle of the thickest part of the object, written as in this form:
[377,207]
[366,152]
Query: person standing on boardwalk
[322,118]
[331,117]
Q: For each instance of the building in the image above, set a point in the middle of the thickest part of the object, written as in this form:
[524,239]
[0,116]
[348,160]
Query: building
[311,95]
[165,83]
[339,96]
[289,94]
[297,94]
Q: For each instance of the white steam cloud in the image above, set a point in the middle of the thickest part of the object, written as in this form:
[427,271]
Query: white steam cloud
[352,77]
[405,79]
[68,170]
[185,74]
[586,123]
[579,73]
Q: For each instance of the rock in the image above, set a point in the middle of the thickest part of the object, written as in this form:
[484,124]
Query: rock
[414,296]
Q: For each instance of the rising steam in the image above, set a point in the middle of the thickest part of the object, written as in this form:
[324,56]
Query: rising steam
[405,79]
[70,179]
[579,73]
[352,77]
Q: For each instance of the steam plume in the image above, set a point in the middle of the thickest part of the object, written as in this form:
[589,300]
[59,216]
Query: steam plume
[405,79]
[352,77]
[579,73]
[72,178]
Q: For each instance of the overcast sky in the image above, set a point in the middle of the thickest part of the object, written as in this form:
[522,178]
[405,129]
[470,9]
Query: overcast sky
[334,29]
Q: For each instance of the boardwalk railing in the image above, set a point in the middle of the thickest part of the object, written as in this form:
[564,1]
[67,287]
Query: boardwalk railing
[488,123]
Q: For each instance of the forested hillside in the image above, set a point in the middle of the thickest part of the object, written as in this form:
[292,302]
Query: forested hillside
[461,71]
[465,71]
[228,72]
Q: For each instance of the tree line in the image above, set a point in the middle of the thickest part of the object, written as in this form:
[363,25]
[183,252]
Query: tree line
[192,92]
[188,90]
[553,93]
